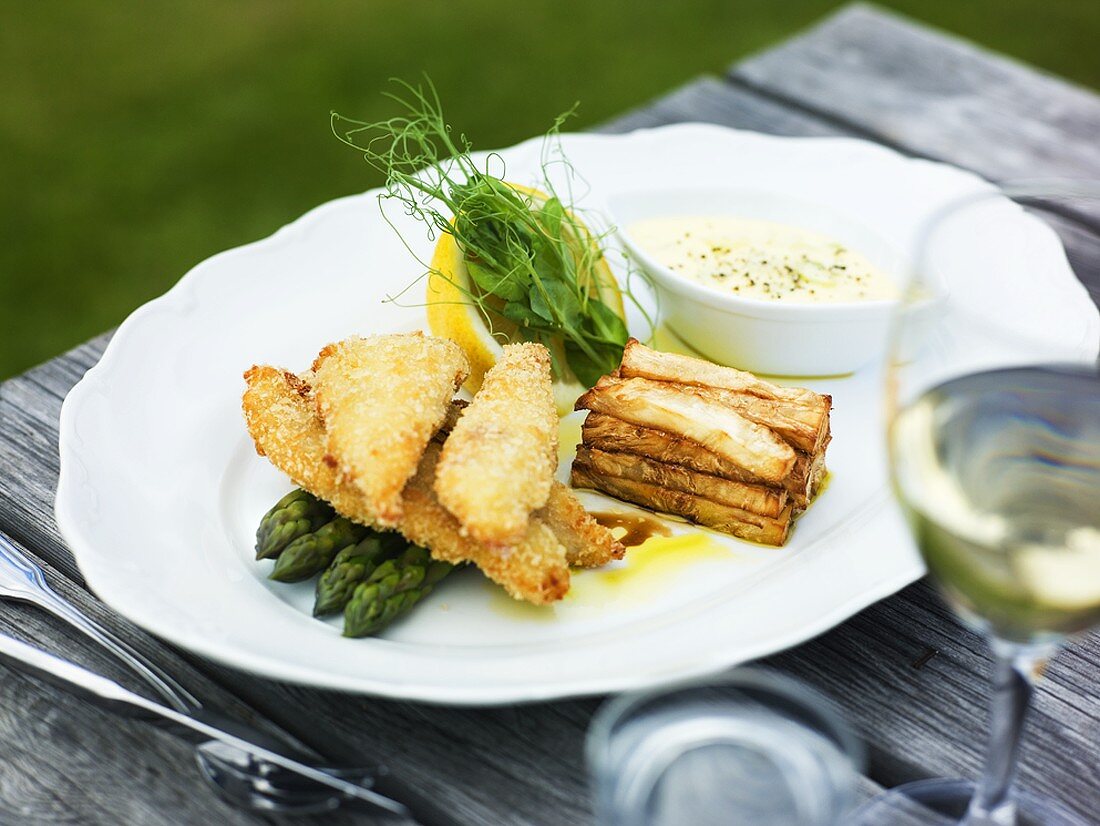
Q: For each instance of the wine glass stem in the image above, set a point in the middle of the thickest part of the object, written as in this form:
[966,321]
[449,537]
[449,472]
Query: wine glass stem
[1016,667]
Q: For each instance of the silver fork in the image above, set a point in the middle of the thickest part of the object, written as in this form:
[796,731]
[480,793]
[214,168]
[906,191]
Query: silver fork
[236,775]
[23,580]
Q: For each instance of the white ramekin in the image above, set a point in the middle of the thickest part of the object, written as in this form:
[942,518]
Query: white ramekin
[781,339]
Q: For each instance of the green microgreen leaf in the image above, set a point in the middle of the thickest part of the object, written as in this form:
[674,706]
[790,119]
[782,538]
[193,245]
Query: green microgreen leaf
[530,259]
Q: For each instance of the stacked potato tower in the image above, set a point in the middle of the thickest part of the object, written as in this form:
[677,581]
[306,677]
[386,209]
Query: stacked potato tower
[715,445]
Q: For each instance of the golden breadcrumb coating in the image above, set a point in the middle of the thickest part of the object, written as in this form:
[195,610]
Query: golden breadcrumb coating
[381,398]
[588,544]
[535,569]
[283,422]
[498,462]
[286,428]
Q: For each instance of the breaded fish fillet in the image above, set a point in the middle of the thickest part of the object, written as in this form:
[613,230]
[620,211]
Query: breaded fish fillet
[588,544]
[534,569]
[283,422]
[381,398]
[499,461]
[286,428]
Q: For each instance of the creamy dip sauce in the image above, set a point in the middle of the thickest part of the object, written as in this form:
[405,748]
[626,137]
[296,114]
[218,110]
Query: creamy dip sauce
[762,259]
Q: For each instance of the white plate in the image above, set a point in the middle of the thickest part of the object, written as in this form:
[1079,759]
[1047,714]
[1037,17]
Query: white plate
[160,490]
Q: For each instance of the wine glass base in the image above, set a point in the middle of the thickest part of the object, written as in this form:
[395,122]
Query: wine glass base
[944,802]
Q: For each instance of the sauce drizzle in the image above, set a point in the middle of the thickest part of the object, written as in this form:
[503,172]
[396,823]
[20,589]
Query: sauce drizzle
[636,529]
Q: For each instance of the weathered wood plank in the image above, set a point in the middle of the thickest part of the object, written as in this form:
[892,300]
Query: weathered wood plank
[876,74]
[65,762]
[711,100]
[926,719]
[29,408]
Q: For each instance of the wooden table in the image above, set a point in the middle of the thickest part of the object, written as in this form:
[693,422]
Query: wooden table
[911,680]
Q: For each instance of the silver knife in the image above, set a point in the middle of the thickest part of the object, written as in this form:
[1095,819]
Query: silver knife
[201,726]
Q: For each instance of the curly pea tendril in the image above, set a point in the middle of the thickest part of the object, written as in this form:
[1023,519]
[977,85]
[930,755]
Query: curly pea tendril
[533,264]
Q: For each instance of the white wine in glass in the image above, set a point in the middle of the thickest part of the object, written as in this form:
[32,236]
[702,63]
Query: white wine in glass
[994,441]
[1000,475]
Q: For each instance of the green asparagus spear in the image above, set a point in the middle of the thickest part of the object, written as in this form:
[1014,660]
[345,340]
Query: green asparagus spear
[295,515]
[312,553]
[350,567]
[393,589]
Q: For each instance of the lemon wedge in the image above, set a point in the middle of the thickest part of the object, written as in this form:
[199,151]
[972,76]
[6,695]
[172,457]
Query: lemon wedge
[452,315]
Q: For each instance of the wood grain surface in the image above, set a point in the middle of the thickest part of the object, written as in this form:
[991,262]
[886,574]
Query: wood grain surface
[909,678]
[876,75]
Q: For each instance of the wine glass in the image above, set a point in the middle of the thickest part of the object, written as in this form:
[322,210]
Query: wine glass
[993,404]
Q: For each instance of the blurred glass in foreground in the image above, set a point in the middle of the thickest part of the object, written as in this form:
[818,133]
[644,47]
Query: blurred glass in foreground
[751,747]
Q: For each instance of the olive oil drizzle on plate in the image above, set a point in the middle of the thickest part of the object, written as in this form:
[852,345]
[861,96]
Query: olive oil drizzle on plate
[650,565]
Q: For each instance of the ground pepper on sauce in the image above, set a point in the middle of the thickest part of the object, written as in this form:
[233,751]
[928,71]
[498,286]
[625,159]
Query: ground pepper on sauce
[762,259]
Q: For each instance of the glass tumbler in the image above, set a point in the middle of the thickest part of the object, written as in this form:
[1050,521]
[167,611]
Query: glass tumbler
[751,747]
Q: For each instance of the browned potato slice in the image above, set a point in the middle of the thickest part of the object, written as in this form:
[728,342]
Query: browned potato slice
[734,521]
[766,501]
[672,409]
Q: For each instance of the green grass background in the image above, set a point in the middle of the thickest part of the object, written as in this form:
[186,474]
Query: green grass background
[138,138]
